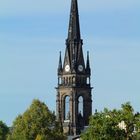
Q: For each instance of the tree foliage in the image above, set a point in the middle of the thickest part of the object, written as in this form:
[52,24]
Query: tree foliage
[121,124]
[3,131]
[37,123]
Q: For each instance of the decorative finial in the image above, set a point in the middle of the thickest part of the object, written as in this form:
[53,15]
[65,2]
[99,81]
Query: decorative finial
[60,63]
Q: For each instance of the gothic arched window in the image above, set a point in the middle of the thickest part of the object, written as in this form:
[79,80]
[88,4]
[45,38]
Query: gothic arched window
[80,105]
[67,108]
[88,80]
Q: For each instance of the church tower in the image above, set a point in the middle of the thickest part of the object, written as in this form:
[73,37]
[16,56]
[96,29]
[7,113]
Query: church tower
[74,100]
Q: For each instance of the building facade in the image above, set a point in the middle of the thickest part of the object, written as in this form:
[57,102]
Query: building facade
[74,97]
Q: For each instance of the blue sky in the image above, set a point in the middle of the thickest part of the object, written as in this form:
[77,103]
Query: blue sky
[33,32]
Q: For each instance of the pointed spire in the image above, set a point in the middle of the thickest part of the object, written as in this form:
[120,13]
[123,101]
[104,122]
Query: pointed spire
[60,64]
[74,53]
[88,63]
[74,26]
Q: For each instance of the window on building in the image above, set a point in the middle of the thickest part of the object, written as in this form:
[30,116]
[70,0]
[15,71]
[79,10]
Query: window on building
[88,80]
[67,108]
[80,105]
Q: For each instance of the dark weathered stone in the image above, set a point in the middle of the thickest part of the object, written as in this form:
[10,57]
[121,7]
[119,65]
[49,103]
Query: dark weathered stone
[74,80]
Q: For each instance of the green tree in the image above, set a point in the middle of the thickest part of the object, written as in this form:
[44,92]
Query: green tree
[127,115]
[38,122]
[107,125]
[40,137]
[3,131]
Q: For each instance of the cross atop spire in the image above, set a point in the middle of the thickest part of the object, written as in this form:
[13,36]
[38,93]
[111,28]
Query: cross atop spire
[74,26]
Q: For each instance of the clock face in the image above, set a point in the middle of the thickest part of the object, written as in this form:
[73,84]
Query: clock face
[67,68]
[80,68]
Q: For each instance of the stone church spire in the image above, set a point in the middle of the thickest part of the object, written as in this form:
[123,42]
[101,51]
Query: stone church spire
[74,52]
[74,26]
[74,91]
